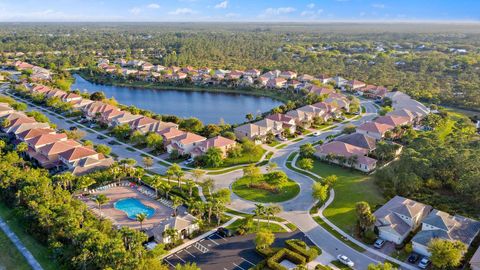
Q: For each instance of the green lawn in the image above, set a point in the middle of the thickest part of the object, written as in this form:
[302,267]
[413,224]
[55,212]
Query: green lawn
[351,187]
[272,227]
[10,257]
[244,159]
[39,251]
[287,191]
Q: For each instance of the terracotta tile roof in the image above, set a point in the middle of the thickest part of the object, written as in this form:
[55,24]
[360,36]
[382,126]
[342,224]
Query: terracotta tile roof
[170,133]
[280,117]
[392,120]
[189,138]
[34,132]
[21,120]
[78,153]
[143,121]
[46,139]
[14,115]
[341,148]
[59,147]
[320,90]
[375,127]
[217,141]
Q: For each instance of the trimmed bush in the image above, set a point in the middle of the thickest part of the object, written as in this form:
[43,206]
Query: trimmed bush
[267,252]
[301,248]
[322,267]
[274,261]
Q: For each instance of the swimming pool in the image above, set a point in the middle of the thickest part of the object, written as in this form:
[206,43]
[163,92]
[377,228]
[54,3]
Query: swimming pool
[132,207]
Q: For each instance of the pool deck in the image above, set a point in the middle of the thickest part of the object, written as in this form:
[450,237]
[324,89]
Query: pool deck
[119,217]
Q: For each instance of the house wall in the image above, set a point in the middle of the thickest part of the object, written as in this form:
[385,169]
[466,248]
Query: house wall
[392,237]
[358,166]
[420,249]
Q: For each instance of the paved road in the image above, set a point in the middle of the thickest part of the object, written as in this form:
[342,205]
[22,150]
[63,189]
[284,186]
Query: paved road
[13,237]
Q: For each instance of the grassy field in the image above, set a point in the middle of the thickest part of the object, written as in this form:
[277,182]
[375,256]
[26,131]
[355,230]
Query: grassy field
[287,191]
[10,257]
[351,187]
[39,251]
[272,227]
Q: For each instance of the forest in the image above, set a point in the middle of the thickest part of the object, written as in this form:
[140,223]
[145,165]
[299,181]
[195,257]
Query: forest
[433,63]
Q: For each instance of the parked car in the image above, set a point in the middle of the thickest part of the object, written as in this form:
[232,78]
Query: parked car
[413,258]
[345,260]
[189,161]
[224,232]
[424,263]
[379,243]
[73,128]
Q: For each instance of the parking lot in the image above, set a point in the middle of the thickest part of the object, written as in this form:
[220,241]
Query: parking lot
[216,252]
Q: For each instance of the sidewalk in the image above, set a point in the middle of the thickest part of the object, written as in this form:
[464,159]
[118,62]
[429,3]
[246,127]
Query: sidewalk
[30,259]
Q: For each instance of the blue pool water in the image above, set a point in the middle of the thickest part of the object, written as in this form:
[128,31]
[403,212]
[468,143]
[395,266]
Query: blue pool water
[132,207]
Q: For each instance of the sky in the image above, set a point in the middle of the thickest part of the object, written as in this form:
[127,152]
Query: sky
[238,10]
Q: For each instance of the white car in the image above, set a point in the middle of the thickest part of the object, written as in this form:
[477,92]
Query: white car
[345,260]
[316,133]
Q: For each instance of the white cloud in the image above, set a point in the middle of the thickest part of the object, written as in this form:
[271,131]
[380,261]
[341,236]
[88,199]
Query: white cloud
[135,11]
[223,4]
[232,15]
[278,11]
[378,5]
[312,14]
[153,6]
[311,5]
[182,11]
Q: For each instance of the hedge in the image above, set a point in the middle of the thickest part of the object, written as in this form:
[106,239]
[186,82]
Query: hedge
[322,267]
[273,262]
[300,247]
[267,252]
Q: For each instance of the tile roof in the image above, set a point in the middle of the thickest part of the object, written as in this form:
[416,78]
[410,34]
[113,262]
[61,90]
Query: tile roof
[341,148]
[392,120]
[34,132]
[375,127]
[77,153]
[59,147]
[170,133]
[188,138]
[46,139]
[475,260]
[359,140]
[217,141]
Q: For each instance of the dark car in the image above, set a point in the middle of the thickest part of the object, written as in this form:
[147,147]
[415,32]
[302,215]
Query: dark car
[413,258]
[223,232]
[73,128]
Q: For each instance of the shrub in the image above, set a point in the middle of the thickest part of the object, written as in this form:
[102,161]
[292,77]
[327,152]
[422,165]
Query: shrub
[267,252]
[273,262]
[322,267]
[369,237]
[301,248]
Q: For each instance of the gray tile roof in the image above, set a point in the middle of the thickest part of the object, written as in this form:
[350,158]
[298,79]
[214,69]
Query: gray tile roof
[359,140]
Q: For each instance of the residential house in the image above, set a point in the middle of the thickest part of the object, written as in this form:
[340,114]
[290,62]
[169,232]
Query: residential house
[324,78]
[184,226]
[374,129]
[289,75]
[403,101]
[219,142]
[335,151]
[254,73]
[169,133]
[147,66]
[5,109]
[56,93]
[185,143]
[72,157]
[414,118]
[80,104]
[71,97]
[158,68]
[359,140]
[475,260]
[123,118]
[288,122]
[34,132]
[399,217]
[372,91]
[339,81]
[45,139]
[271,74]
[157,126]
[338,100]
[251,131]
[442,225]
[276,83]
[179,76]
[393,120]
[354,84]
[95,109]
[306,78]
[270,125]
[263,81]
[320,91]
[52,150]
[90,164]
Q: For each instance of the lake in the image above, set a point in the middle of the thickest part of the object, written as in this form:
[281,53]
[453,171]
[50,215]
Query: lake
[209,107]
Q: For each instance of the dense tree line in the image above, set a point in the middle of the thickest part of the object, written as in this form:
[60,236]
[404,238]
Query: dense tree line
[77,239]
[439,167]
[434,74]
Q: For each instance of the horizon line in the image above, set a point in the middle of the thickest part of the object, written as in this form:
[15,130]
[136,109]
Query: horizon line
[267,22]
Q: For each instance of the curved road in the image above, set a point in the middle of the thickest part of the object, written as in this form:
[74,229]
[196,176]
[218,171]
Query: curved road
[297,209]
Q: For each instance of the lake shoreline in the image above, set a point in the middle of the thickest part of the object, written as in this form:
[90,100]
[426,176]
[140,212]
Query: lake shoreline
[156,86]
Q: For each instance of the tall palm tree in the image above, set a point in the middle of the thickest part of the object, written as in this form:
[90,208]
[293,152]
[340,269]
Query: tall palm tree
[197,174]
[208,184]
[141,217]
[172,233]
[271,211]
[166,189]
[218,208]
[156,183]
[258,212]
[190,185]
[177,201]
[101,199]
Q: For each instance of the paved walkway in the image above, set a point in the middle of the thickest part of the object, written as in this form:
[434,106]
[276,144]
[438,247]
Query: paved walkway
[30,259]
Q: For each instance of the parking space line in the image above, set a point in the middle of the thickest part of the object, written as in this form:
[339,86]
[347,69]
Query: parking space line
[169,262]
[220,236]
[213,241]
[179,258]
[238,266]
[247,261]
[189,253]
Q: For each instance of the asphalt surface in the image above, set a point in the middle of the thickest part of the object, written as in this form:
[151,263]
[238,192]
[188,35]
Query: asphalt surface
[233,253]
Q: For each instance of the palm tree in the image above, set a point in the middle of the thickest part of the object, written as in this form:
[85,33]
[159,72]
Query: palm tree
[172,233]
[141,217]
[166,188]
[101,199]
[156,183]
[218,208]
[271,166]
[197,174]
[271,211]
[176,202]
[190,185]
[208,207]
[258,212]
[208,184]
